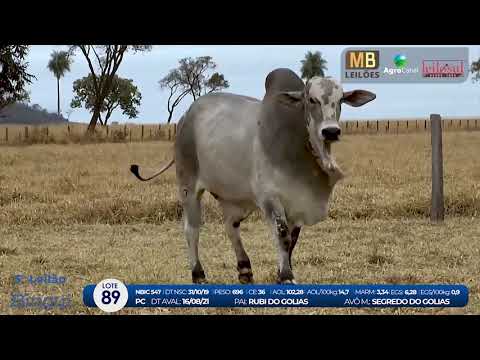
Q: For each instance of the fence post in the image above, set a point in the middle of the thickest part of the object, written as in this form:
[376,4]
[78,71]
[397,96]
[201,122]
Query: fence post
[416,124]
[47,132]
[26,132]
[475,123]
[107,130]
[425,125]
[367,126]
[68,129]
[6,134]
[150,133]
[125,130]
[397,127]
[130,135]
[174,130]
[169,133]
[460,124]
[407,124]
[388,125]
[468,123]
[437,211]
[142,132]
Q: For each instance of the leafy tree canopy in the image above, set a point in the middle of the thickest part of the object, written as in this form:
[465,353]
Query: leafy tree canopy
[13,74]
[124,95]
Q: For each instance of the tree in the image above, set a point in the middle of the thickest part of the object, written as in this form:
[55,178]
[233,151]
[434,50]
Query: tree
[475,69]
[194,77]
[13,74]
[313,65]
[59,64]
[177,90]
[191,77]
[103,62]
[216,82]
[123,94]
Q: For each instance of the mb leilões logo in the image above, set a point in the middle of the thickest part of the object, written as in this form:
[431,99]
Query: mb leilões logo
[400,61]
[362,64]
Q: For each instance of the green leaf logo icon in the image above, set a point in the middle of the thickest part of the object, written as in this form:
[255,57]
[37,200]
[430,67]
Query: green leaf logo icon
[400,61]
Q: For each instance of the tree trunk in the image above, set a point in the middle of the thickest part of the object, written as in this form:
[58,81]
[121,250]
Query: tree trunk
[170,113]
[58,96]
[107,116]
[98,105]
[93,120]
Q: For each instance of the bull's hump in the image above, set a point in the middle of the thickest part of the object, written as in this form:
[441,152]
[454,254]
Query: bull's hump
[282,79]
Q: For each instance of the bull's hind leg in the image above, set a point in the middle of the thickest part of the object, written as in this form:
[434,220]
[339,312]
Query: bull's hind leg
[192,219]
[232,216]
[294,235]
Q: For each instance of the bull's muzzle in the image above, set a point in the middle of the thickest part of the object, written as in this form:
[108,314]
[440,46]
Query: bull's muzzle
[331,133]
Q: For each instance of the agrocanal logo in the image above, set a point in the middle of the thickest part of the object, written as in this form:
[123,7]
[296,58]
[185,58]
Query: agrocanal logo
[400,61]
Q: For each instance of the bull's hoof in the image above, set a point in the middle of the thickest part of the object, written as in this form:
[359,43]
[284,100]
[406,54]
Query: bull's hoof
[245,278]
[198,277]
[245,274]
[285,277]
[200,281]
[286,282]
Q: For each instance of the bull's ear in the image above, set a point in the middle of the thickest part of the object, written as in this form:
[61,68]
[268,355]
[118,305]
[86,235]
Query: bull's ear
[291,98]
[358,98]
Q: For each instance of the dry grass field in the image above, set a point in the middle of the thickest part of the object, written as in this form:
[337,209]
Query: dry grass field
[75,210]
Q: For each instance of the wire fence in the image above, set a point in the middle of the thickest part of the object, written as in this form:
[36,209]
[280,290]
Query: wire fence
[76,133]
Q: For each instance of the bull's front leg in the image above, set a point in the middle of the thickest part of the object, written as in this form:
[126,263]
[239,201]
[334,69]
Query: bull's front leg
[275,216]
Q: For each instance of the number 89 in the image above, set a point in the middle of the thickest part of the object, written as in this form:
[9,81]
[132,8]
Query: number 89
[107,297]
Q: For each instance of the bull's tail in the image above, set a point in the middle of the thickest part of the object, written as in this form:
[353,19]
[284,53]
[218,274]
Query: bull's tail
[134,169]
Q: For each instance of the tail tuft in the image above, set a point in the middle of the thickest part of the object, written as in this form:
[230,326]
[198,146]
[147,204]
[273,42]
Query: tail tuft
[134,170]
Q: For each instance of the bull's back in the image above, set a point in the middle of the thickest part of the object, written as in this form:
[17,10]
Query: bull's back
[214,143]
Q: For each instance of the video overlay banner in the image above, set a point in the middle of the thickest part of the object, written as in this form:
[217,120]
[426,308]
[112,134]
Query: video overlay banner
[115,295]
[405,65]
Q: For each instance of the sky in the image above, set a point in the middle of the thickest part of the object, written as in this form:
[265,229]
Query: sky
[245,67]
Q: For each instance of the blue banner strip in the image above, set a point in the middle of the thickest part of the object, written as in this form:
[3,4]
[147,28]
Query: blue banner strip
[291,296]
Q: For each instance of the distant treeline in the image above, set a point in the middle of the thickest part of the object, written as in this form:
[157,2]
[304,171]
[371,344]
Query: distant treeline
[20,113]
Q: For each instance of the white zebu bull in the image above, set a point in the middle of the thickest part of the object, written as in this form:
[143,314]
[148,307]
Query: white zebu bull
[273,154]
